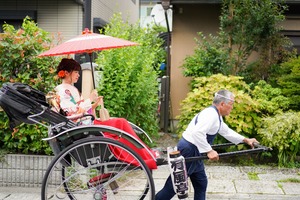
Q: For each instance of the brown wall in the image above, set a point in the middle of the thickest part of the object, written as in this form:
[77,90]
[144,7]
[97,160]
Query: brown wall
[187,21]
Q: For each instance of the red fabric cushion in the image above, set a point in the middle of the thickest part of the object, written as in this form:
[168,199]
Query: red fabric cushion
[122,124]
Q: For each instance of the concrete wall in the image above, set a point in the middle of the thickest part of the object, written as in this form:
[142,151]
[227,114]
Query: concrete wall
[105,9]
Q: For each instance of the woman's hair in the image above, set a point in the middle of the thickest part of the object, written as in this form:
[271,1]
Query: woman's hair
[223,96]
[68,64]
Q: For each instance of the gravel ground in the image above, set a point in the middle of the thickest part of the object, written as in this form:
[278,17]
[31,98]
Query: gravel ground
[167,140]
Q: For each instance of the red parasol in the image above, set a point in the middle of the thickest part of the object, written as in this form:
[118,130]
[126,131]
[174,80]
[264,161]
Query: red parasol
[88,42]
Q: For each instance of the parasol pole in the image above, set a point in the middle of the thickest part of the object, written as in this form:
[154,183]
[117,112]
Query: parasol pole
[92,68]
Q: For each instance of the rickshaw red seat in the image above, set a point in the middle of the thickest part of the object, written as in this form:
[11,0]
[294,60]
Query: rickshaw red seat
[115,122]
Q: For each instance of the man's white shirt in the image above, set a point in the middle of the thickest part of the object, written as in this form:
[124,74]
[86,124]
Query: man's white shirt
[209,122]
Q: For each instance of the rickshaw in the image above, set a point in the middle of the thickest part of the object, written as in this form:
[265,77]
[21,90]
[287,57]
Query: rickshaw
[91,161]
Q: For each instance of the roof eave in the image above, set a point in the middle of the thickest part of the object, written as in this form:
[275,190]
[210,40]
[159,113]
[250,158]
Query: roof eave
[216,1]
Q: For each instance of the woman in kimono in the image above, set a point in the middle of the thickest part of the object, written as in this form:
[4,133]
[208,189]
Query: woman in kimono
[72,103]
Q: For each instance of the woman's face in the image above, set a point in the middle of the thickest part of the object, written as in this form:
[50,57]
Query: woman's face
[72,77]
[75,76]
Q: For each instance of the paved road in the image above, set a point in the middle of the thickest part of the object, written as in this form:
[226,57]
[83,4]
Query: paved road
[233,183]
[225,182]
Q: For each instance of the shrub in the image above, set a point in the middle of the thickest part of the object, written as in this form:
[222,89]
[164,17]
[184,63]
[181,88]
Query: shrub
[290,81]
[129,83]
[243,116]
[270,100]
[209,58]
[282,132]
[19,63]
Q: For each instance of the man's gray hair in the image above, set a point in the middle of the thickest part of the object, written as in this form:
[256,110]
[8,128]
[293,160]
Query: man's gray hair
[223,96]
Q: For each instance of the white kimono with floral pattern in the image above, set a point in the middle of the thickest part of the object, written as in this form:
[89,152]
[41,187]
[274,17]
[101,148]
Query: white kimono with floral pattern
[71,100]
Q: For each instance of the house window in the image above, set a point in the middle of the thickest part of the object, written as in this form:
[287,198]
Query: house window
[15,23]
[149,9]
[294,36]
[15,17]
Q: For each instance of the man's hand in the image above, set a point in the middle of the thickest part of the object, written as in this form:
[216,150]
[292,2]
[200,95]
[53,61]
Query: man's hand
[213,155]
[250,141]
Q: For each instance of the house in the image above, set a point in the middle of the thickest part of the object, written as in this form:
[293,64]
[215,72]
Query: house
[67,17]
[152,13]
[192,16]
[70,17]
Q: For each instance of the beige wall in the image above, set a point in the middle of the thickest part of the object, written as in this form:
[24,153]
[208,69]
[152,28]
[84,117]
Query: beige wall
[106,8]
[187,21]
[54,16]
[66,16]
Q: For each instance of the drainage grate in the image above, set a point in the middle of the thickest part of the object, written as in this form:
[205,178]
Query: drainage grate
[23,170]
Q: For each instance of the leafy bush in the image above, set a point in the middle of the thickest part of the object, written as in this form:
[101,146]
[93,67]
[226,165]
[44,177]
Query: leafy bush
[209,58]
[243,116]
[129,84]
[282,132]
[290,81]
[270,100]
[19,63]
[256,113]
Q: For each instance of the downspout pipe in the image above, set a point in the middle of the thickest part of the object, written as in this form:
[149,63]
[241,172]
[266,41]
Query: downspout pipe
[87,14]
[166,6]
[87,9]
[80,2]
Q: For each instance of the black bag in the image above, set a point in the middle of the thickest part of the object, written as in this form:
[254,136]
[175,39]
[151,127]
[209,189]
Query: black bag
[28,91]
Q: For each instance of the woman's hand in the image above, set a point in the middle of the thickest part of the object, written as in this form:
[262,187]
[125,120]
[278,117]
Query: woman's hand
[98,101]
[94,96]
[80,110]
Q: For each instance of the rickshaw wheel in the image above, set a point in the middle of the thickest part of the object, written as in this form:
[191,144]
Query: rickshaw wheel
[98,168]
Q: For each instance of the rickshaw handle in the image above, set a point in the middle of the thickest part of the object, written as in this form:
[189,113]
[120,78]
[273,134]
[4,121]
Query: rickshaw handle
[258,148]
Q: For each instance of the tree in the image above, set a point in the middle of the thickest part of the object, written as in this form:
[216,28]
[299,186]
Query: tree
[249,42]
[249,26]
